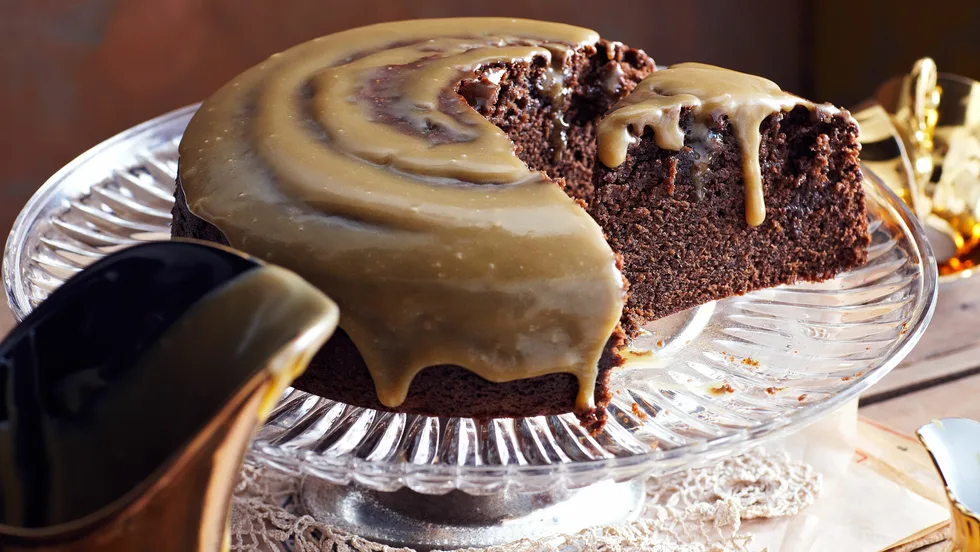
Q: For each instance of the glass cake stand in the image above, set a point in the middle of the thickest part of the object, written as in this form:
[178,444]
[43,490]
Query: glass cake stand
[700,385]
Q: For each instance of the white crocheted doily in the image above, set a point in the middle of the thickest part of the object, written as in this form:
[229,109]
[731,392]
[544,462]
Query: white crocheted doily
[700,510]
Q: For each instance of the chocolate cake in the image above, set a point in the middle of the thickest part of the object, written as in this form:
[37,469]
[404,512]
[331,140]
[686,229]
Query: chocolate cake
[439,180]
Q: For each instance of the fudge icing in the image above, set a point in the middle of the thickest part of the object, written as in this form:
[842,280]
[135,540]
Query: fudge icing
[709,92]
[352,160]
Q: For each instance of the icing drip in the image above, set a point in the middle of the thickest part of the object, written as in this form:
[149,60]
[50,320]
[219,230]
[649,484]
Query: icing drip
[553,87]
[709,92]
[612,79]
[352,161]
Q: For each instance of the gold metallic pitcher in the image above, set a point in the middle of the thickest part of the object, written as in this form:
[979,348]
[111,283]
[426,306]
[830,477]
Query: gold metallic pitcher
[954,445]
[129,397]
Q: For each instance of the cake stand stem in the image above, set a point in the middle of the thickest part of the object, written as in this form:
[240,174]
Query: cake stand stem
[459,520]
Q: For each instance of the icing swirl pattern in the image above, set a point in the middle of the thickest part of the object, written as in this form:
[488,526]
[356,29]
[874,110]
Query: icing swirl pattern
[352,160]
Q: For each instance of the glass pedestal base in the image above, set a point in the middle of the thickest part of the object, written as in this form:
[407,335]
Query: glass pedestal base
[461,520]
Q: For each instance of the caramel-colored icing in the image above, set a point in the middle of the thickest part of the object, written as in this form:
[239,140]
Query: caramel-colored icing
[352,161]
[709,92]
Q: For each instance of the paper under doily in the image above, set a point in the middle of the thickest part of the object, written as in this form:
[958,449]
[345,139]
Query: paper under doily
[693,511]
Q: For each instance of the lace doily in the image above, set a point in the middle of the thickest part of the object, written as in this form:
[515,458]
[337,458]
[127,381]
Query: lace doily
[700,510]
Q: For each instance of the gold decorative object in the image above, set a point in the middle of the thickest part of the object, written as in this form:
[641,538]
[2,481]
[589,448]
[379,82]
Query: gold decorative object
[132,393]
[921,135]
[954,445]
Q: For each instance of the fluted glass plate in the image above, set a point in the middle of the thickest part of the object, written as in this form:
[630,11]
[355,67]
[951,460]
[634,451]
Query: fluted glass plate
[700,385]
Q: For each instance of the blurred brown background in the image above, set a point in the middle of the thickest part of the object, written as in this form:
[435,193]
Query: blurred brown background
[74,72]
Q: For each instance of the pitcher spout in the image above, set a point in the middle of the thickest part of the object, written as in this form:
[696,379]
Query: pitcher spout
[954,445]
[129,397]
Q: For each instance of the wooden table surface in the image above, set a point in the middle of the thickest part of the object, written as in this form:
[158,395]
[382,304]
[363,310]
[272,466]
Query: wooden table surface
[940,377]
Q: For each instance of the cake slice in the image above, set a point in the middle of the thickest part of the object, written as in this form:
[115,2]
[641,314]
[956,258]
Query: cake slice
[695,219]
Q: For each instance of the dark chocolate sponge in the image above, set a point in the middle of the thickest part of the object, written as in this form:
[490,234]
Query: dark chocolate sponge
[681,229]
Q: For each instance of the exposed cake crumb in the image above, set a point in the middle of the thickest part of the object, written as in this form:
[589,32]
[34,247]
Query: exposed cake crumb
[672,214]
[722,389]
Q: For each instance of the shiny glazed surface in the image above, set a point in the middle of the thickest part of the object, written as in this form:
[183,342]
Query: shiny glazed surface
[351,160]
